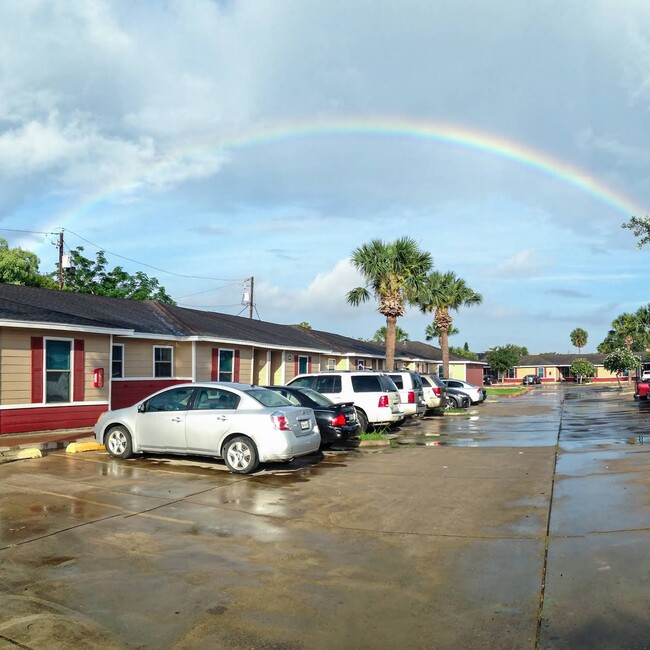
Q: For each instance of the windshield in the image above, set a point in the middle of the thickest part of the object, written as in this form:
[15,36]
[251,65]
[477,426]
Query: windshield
[268,397]
[317,398]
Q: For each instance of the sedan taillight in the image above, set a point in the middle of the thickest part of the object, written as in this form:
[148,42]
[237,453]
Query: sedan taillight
[383,401]
[339,420]
[280,422]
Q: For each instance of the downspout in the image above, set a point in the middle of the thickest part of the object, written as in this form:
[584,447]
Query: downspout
[193,360]
[110,371]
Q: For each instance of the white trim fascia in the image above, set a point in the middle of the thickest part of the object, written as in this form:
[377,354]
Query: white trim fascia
[64,327]
[153,379]
[41,405]
[253,344]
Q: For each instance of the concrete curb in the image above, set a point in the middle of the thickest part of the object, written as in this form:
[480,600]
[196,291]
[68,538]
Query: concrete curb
[78,447]
[20,454]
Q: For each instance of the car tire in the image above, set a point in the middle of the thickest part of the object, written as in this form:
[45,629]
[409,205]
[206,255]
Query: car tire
[362,419]
[118,442]
[240,455]
[452,402]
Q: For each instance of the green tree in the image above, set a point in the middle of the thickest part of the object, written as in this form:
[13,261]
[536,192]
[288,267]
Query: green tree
[502,358]
[462,352]
[18,266]
[94,277]
[304,325]
[579,338]
[400,335]
[640,227]
[394,273]
[627,330]
[441,294]
[433,332]
[582,368]
[621,360]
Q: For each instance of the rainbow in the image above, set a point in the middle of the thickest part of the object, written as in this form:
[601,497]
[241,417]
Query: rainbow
[379,127]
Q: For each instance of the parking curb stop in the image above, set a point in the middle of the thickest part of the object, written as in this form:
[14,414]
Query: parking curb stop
[78,447]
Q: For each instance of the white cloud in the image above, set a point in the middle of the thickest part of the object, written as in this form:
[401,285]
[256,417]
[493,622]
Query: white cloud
[523,264]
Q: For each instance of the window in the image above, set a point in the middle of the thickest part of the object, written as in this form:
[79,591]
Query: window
[511,373]
[57,371]
[303,365]
[540,371]
[216,399]
[226,370]
[441,371]
[366,384]
[360,364]
[175,399]
[329,384]
[331,364]
[162,361]
[117,361]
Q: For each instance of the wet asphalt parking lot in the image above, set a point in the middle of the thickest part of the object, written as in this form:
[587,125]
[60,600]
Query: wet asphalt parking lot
[525,525]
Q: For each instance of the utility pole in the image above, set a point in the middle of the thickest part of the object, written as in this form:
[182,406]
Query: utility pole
[61,259]
[251,303]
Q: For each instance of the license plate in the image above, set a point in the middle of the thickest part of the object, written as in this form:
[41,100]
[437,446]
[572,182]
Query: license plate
[304,425]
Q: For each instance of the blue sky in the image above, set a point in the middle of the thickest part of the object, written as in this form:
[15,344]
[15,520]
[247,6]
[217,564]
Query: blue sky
[223,140]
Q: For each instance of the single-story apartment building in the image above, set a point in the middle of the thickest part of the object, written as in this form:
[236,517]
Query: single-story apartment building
[67,357]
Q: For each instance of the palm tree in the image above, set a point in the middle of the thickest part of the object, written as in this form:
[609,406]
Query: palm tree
[441,293]
[400,335]
[433,332]
[394,273]
[579,338]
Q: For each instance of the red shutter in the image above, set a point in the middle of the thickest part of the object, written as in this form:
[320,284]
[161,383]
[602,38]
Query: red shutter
[215,364]
[37,369]
[309,363]
[296,369]
[79,371]
[236,367]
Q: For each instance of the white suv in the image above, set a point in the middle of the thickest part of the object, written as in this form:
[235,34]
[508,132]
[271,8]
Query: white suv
[411,392]
[374,394]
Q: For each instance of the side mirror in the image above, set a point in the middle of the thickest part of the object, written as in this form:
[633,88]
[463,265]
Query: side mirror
[142,408]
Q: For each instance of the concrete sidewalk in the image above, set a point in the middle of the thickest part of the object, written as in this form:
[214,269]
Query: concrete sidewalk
[34,445]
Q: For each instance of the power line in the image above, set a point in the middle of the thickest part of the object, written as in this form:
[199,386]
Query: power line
[30,232]
[155,268]
[199,293]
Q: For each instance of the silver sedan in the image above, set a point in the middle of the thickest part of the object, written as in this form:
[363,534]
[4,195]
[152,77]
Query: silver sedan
[242,424]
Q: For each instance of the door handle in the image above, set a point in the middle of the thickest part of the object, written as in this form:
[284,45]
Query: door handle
[177,419]
[221,417]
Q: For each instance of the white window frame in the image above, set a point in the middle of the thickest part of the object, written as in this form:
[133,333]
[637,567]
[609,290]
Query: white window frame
[331,364]
[119,345]
[232,371]
[306,361]
[70,369]
[171,362]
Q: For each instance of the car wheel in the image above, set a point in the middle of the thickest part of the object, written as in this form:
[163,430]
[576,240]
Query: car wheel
[240,455]
[362,419]
[452,402]
[119,443]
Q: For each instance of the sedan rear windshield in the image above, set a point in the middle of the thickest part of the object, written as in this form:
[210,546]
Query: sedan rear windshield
[268,397]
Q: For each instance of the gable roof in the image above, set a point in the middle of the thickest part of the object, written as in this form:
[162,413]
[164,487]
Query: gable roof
[559,360]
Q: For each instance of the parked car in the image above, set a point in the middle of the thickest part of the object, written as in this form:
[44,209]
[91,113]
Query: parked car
[435,391]
[337,422]
[457,399]
[242,424]
[489,380]
[375,396]
[476,394]
[411,394]
[529,380]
